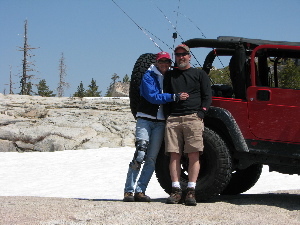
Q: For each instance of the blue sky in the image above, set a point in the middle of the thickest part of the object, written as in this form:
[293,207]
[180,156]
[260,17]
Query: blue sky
[98,39]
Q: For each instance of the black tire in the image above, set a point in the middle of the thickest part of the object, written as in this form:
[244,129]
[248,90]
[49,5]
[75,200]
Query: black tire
[215,172]
[140,67]
[243,180]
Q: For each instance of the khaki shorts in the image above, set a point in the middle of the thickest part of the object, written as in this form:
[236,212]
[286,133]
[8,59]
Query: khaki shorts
[184,134]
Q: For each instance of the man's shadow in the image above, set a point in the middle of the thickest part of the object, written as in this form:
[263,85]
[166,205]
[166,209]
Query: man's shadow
[282,200]
[162,200]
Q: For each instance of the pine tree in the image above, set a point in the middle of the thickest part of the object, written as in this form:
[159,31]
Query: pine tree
[93,90]
[80,91]
[114,77]
[43,89]
[126,79]
[28,87]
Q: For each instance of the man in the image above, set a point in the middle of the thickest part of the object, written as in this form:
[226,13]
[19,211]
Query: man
[150,128]
[185,126]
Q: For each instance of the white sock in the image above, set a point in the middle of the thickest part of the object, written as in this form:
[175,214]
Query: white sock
[191,184]
[176,184]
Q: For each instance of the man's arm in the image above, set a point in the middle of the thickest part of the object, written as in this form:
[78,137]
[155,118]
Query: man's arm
[206,95]
[206,92]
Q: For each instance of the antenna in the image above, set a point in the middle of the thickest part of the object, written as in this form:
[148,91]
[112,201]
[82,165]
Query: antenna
[175,34]
[137,25]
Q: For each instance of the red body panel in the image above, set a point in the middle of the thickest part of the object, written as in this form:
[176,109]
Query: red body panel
[276,119]
[239,111]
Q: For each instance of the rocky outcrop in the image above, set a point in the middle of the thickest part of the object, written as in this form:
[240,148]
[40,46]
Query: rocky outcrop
[120,89]
[34,123]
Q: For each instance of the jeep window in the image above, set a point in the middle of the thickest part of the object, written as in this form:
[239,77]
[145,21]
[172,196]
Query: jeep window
[278,68]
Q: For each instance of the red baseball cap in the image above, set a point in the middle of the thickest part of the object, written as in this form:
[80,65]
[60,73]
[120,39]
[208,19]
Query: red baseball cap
[161,55]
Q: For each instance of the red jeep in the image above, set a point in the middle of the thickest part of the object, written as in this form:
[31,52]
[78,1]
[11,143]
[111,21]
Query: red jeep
[254,117]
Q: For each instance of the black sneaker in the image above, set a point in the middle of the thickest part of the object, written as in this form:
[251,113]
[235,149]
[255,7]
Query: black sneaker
[190,197]
[128,197]
[175,196]
[141,197]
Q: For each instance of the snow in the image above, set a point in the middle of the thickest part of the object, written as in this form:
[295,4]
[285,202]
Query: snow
[93,174]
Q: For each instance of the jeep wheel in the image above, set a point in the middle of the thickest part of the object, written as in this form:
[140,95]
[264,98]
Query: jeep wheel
[140,67]
[243,180]
[215,169]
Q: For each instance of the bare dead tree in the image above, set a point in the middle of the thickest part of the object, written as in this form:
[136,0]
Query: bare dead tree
[62,74]
[10,81]
[26,85]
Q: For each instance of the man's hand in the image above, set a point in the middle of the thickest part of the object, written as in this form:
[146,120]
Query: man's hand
[183,95]
[201,113]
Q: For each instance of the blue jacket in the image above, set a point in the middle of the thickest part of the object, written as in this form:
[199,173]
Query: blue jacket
[151,92]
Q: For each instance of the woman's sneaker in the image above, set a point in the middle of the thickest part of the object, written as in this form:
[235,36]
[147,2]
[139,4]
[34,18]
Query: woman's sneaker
[190,197]
[175,196]
[141,197]
[128,197]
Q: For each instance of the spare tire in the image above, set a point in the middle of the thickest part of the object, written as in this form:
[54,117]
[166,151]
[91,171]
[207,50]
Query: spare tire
[140,67]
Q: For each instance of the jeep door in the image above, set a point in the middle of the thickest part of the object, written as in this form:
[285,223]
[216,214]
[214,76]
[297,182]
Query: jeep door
[274,97]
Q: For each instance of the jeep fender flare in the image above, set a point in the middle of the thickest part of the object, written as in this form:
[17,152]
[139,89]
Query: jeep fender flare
[230,124]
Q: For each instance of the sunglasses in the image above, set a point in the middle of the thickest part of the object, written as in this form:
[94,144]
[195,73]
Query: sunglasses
[164,61]
[182,54]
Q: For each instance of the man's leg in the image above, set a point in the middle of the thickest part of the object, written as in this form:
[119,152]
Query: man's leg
[194,166]
[174,166]
[175,171]
[193,170]
[174,142]
[193,131]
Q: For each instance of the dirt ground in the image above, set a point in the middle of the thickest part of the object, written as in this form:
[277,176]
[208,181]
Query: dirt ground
[271,208]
